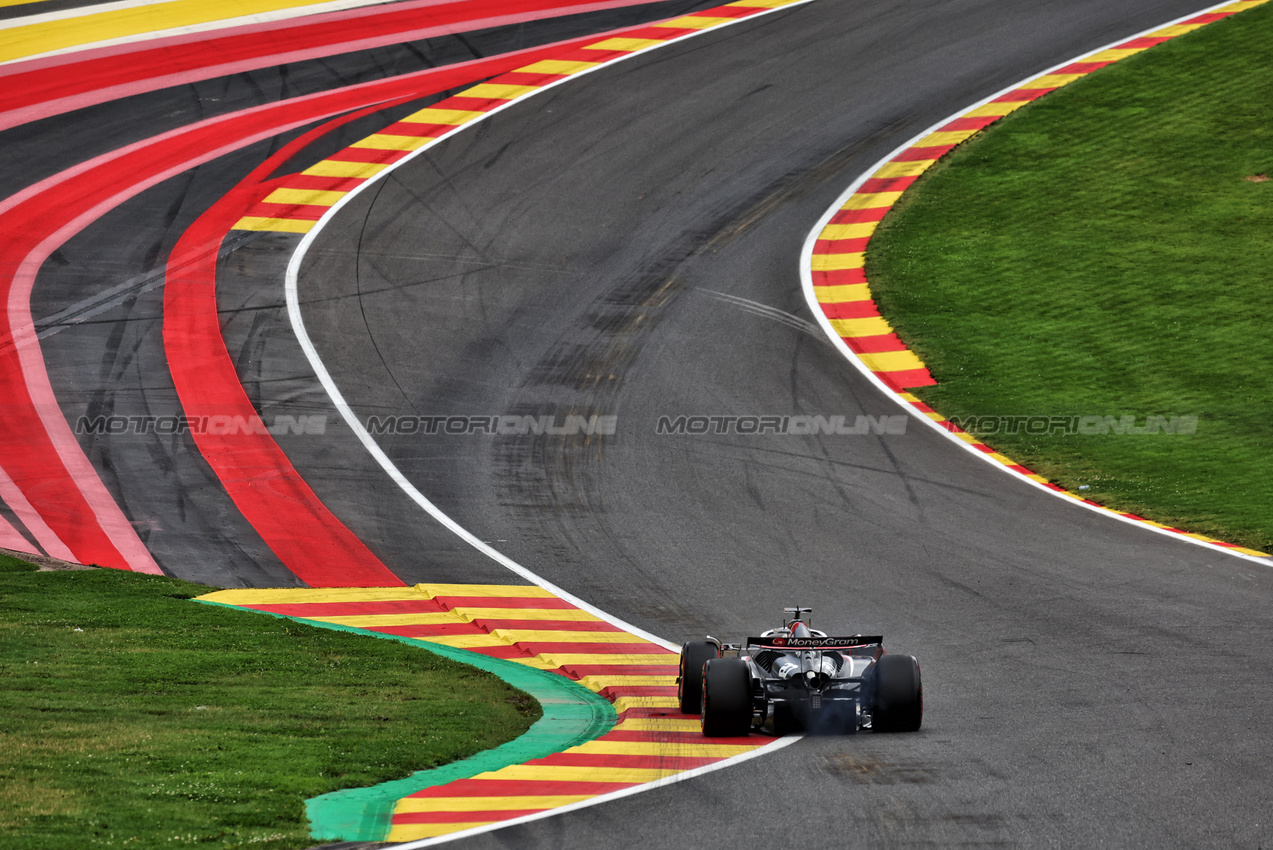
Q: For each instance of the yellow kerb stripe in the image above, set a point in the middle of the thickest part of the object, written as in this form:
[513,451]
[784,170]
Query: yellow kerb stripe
[383,142]
[564,659]
[556,66]
[911,168]
[565,773]
[836,262]
[573,614]
[550,636]
[466,641]
[415,831]
[518,591]
[496,91]
[1048,81]
[337,168]
[691,22]
[947,137]
[662,748]
[1113,54]
[891,361]
[283,596]
[624,44]
[306,197]
[622,704]
[443,116]
[996,109]
[376,621]
[842,294]
[596,683]
[536,662]
[659,724]
[411,805]
[280,225]
[1173,31]
[871,200]
[857,230]
[873,326]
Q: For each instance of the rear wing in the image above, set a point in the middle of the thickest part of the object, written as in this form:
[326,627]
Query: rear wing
[787,644]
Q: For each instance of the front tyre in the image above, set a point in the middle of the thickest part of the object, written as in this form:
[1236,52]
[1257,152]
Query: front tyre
[899,695]
[726,698]
[689,685]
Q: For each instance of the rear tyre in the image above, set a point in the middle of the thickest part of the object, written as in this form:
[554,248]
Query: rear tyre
[726,698]
[899,695]
[689,686]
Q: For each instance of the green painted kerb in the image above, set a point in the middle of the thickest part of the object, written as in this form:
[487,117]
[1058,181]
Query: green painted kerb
[572,715]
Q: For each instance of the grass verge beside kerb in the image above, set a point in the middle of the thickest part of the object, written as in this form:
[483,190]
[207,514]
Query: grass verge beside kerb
[1106,251]
[130,716]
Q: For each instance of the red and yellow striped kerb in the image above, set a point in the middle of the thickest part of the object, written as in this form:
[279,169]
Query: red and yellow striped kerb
[300,200]
[839,281]
[526,624]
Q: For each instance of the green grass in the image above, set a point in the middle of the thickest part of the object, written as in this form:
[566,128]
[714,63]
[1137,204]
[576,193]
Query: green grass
[130,716]
[1100,252]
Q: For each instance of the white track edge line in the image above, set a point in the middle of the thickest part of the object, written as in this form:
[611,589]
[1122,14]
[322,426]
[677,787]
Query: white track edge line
[806,277]
[346,412]
[776,744]
[291,286]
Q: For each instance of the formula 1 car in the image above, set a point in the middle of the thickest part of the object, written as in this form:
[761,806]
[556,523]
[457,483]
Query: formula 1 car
[796,677]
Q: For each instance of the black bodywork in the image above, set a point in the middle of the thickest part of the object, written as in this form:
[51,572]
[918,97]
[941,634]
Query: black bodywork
[829,689]
[796,678]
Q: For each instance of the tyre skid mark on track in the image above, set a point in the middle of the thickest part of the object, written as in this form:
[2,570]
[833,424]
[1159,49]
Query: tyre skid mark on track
[291,519]
[651,740]
[70,513]
[306,536]
[13,497]
[47,480]
[11,538]
[647,710]
[839,293]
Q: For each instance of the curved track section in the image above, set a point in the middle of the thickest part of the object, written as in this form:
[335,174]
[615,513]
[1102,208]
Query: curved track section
[117,209]
[628,245]
[835,282]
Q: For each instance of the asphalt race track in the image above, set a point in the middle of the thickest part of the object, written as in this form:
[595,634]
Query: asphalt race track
[627,244]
